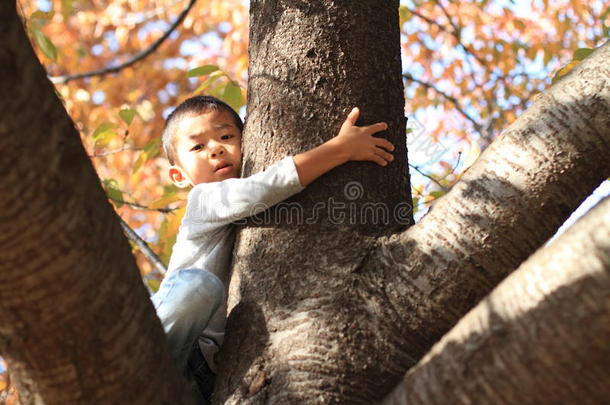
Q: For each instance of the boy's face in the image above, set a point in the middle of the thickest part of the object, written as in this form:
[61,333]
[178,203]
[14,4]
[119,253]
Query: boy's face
[207,148]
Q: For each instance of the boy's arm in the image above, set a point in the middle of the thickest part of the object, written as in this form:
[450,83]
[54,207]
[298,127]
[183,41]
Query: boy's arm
[352,143]
[219,203]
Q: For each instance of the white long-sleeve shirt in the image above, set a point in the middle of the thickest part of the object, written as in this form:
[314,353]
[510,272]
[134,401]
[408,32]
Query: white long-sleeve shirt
[206,235]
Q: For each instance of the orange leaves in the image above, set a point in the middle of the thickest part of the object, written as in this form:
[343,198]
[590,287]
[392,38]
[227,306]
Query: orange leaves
[486,61]
[120,116]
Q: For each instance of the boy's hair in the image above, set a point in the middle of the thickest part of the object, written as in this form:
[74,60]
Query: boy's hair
[193,105]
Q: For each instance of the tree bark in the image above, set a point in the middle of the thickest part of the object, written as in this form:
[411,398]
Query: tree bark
[541,337]
[327,313]
[507,205]
[76,325]
[293,336]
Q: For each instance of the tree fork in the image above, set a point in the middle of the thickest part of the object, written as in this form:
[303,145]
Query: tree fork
[521,189]
[76,324]
[298,331]
[540,337]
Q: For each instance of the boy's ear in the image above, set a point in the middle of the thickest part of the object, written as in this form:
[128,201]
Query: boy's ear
[178,177]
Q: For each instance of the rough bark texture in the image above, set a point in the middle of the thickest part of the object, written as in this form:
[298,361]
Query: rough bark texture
[76,325]
[299,332]
[507,205]
[541,337]
[333,314]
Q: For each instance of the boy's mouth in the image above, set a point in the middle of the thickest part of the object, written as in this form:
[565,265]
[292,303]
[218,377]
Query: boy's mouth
[223,165]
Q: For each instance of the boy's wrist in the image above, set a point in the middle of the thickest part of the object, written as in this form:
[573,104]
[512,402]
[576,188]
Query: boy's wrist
[338,150]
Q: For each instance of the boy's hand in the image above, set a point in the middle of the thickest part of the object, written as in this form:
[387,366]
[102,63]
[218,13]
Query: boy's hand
[352,143]
[358,143]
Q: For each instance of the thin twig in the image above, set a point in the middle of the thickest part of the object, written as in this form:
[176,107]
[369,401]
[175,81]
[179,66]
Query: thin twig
[444,188]
[138,57]
[449,98]
[165,210]
[144,248]
[112,152]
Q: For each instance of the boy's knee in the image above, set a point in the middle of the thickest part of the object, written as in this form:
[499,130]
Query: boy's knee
[189,293]
[200,288]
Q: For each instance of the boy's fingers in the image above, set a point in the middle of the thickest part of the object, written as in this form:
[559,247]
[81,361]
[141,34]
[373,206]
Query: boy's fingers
[378,127]
[384,143]
[385,155]
[352,117]
[378,159]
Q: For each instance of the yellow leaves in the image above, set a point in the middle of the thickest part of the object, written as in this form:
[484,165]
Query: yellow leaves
[403,14]
[104,134]
[122,35]
[151,150]
[164,201]
[168,231]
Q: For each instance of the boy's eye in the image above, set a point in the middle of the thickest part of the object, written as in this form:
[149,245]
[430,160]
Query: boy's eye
[225,137]
[197,147]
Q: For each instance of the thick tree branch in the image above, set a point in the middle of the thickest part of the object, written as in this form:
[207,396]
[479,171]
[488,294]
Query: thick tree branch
[136,58]
[546,324]
[76,322]
[505,206]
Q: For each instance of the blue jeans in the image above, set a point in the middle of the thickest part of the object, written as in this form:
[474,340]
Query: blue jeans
[185,302]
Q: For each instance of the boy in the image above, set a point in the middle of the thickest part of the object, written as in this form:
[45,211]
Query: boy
[202,140]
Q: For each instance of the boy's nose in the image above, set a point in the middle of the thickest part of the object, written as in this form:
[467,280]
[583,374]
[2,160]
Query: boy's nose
[216,149]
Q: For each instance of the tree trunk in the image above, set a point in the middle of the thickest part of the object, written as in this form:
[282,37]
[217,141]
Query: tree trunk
[541,337]
[76,325]
[327,313]
[299,325]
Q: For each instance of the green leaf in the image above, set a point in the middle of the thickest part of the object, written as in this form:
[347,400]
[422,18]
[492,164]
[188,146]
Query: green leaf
[582,53]
[41,15]
[208,82]
[113,192]
[415,204]
[45,44]
[403,15]
[202,70]
[232,95]
[127,115]
[104,128]
[153,283]
[66,8]
[436,194]
[602,18]
[151,150]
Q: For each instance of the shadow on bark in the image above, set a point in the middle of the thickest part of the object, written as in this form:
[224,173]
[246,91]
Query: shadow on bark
[249,375]
[557,352]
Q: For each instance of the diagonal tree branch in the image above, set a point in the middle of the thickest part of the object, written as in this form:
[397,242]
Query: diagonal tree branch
[60,307]
[524,185]
[135,59]
[556,302]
